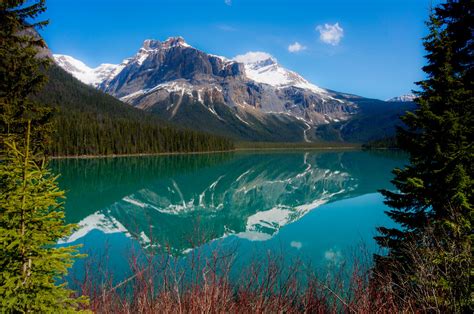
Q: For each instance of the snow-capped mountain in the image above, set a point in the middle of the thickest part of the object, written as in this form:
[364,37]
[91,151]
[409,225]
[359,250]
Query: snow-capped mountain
[249,97]
[403,98]
[87,75]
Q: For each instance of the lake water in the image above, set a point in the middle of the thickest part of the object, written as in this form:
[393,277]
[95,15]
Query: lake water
[318,205]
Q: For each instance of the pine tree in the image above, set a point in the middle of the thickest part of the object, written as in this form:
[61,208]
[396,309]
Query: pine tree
[31,223]
[433,204]
[31,216]
[20,75]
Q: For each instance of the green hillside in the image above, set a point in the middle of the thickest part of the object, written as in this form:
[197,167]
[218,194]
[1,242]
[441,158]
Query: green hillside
[90,122]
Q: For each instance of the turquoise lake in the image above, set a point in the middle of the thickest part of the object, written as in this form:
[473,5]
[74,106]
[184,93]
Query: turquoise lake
[317,205]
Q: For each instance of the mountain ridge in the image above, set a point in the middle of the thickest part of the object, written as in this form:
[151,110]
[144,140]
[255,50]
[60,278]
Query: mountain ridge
[249,97]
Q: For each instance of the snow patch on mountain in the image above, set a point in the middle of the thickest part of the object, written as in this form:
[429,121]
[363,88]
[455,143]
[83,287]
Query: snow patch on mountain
[176,86]
[264,68]
[402,98]
[86,74]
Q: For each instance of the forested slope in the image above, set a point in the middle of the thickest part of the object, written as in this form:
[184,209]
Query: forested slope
[90,122]
[375,120]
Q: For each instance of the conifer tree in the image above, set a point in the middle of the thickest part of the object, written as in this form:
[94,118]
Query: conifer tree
[31,223]
[20,75]
[31,216]
[433,204]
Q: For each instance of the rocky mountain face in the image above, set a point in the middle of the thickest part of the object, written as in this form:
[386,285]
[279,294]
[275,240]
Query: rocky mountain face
[250,97]
[158,62]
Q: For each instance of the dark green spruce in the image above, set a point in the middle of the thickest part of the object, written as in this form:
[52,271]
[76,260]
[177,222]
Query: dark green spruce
[430,253]
[31,212]
[20,74]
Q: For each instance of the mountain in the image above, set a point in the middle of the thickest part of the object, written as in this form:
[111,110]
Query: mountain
[403,98]
[250,97]
[87,121]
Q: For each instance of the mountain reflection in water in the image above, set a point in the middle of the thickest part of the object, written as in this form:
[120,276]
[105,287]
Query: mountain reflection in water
[161,201]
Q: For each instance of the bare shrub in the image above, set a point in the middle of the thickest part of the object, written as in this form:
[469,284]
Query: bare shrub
[210,283]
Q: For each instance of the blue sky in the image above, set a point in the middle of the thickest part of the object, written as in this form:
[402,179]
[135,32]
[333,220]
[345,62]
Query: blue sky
[368,47]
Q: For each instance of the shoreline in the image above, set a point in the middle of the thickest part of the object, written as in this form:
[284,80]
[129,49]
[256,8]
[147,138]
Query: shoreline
[242,149]
[139,155]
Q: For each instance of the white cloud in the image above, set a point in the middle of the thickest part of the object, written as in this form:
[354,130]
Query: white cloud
[228,2]
[296,47]
[330,34]
[253,57]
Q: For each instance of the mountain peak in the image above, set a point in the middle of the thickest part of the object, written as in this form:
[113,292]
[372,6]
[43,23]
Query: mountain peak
[149,44]
[263,67]
[171,42]
[175,41]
